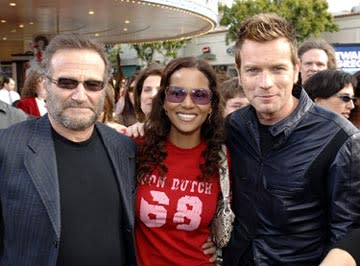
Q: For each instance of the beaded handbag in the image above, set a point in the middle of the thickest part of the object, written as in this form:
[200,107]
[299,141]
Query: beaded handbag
[222,223]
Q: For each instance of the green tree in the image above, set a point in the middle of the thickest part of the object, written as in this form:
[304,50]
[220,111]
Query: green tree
[146,51]
[114,52]
[309,18]
[168,49]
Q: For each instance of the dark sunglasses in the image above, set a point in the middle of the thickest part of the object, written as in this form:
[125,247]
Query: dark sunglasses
[70,84]
[346,98]
[176,94]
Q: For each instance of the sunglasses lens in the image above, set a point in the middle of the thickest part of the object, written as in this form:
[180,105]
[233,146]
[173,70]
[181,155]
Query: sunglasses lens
[70,84]
[93,85]
[66,83]
[346,99]
[198,96]
[201,96]
[175,94]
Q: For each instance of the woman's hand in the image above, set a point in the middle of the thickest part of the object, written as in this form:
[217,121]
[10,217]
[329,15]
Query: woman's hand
[338,257]
[118,127]
[135,130]
[209,249]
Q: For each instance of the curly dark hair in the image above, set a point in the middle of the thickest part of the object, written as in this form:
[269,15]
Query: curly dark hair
[151,153]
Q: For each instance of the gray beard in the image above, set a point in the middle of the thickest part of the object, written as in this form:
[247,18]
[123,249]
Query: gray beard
[57,113]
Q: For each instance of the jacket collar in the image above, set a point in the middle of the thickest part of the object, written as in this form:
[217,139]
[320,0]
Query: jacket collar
[40,161]
[288,124]
[120,158]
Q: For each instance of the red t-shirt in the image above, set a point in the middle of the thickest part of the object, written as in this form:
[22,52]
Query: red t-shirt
[173,214]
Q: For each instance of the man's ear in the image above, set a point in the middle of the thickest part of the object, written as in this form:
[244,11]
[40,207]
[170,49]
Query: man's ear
[238,74]
[296,71]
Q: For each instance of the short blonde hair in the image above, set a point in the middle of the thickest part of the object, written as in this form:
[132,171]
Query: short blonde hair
[262,28]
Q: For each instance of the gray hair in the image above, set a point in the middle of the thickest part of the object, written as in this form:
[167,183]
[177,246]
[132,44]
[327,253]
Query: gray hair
[74,41]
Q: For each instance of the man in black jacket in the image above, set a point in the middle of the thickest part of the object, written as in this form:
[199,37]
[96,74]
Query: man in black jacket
[67,183]
[295,165]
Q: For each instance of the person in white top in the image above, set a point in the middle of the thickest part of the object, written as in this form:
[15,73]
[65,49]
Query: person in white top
[8,93]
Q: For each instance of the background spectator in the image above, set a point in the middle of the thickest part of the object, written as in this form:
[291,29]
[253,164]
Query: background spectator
[232,96]
[125,112]
[8,93]
[315,55]
[107,116]
[10,115]
[147,85]
[355,114]
[333,89]
[33,94]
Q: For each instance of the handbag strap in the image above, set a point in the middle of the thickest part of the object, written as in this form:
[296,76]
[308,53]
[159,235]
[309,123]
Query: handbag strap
[224,175]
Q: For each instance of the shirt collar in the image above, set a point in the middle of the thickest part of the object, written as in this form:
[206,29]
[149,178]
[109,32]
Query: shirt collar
[305,103]
[286,125]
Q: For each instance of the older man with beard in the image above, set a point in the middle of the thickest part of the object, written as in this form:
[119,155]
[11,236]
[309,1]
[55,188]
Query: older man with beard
[66,181]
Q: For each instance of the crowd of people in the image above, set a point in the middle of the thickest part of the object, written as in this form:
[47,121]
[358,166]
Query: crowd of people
[75,190]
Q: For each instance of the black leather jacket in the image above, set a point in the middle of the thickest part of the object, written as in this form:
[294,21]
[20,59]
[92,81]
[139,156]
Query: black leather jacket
[294,202]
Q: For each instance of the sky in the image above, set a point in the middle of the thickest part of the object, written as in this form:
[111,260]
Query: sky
[342,5]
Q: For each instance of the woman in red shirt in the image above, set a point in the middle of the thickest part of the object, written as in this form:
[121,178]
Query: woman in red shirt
[33,94]
[178,165]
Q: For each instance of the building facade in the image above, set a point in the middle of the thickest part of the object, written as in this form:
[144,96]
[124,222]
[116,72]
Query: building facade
[220,55]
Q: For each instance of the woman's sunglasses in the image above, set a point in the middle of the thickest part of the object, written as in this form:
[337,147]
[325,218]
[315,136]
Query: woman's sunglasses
[346,98]
[176,94]
[70,84]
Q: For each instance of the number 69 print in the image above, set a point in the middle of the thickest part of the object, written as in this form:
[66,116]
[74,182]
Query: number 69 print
[187,216]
